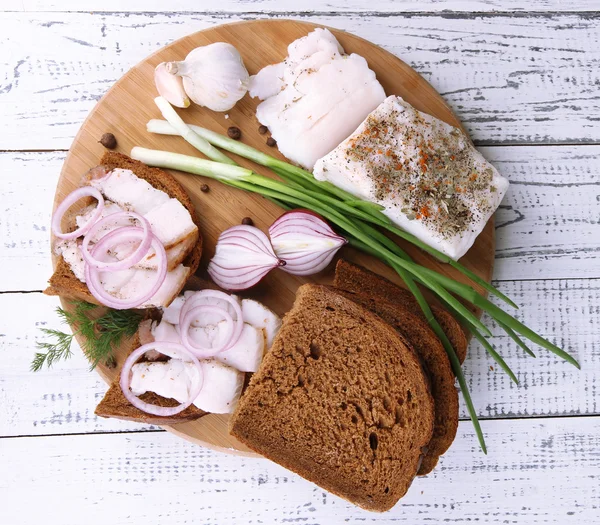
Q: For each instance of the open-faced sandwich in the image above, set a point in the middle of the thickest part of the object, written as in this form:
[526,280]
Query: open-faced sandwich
[135,245]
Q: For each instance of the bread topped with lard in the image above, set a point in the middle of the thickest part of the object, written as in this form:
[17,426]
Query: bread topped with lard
[129,185]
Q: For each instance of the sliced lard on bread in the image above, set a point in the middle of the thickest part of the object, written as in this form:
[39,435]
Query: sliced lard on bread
[114,404]
[154,189]
[341,399]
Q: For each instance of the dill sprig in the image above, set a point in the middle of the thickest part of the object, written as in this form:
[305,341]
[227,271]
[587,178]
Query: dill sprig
[100,335]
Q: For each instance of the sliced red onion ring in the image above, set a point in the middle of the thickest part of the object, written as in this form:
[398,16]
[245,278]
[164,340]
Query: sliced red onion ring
[129,261]
[304,241]
[203,352]
[92,275]
[244,255]
[69,200]
[192,302]
[164,348]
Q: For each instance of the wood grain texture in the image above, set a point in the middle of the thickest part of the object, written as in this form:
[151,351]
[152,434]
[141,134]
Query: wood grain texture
[545,227]
[537,472]
[62,400]
[128,106]
[511,79]
[287,6]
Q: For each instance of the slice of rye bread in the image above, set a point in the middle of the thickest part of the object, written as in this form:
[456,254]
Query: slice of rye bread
[436,363]
[115,404]
[341,399]
[63,281]
[355,278]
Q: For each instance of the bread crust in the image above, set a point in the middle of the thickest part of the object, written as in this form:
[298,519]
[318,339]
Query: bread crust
[435,362]
[355,278]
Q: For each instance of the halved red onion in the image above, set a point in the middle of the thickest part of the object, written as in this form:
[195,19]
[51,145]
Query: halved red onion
[69,200]
[124,264]
[163,348]
[304,241]
[114,238]
[243,256]
[194,302]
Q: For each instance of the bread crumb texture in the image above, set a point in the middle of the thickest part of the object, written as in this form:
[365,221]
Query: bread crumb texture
[341,399]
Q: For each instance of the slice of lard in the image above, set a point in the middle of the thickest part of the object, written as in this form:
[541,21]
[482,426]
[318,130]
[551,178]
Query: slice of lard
[245,355]
[429,177]
[316,97]
[222,387]
[172,379]
[259,316]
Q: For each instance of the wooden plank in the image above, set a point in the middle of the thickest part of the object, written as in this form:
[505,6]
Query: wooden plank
[285,6]
[59,400]
[545,227]
[511,79]
[537,472]
[62,400]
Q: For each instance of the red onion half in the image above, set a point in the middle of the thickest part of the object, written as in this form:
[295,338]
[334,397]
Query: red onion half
[116,237]
[243,256]
[138,254]
[69,200]
[304,241]
[162,347]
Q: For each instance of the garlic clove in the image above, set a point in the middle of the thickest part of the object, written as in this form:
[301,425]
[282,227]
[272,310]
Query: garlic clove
[170,86]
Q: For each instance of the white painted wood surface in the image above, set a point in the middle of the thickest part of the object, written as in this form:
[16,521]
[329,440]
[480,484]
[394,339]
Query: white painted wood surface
[524,78]
[538,471]
[303,6]
[511,79]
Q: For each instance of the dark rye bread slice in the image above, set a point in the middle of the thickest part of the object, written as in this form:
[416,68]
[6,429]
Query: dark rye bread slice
[354,278]
[63,281]
[341,399]
[115,404]
[437,365]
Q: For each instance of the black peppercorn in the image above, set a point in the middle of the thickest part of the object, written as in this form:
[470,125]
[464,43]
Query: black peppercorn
[108,140]
[234,133]
[262,129]
[111,362]
[204,188]
[247,221]
[271,142]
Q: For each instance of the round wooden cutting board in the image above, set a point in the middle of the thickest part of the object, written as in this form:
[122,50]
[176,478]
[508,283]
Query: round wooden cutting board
[129,104]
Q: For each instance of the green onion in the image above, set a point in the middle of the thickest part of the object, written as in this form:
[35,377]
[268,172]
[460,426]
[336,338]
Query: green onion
[287,172]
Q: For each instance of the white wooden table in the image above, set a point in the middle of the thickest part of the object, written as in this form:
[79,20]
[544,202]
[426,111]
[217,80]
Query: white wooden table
[524,76]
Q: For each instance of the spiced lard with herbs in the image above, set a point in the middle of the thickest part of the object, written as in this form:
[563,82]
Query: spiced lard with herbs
[427,175]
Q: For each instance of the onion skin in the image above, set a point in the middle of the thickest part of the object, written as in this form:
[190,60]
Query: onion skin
[299,227]
[244,256]
[125,380]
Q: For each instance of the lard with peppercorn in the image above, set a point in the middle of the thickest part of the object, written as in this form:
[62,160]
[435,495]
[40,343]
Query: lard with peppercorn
[427,175]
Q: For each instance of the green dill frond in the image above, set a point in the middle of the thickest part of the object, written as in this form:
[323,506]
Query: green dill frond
[100,336]
[50,352]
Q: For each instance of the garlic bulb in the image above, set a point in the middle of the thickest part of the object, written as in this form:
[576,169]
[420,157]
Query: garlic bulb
[213,76]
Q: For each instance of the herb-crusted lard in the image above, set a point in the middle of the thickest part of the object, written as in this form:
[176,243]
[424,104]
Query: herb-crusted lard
[431,180]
